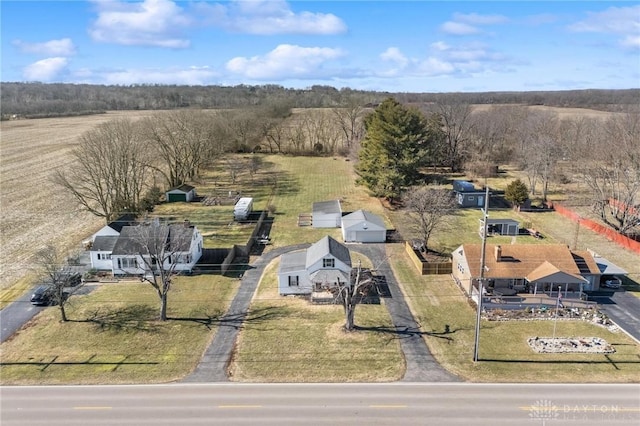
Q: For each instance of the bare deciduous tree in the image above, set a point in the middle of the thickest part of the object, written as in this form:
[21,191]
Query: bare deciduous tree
[429,209]
[349,119]
[108,172]
[58,276]
[610,167]
[349,294]
[159,249]
[182,142]
[457,123]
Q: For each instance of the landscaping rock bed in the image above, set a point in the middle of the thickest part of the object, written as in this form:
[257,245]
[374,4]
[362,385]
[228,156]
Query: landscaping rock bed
[564,314]
[547,345]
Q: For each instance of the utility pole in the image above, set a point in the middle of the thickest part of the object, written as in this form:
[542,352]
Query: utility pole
[485,213]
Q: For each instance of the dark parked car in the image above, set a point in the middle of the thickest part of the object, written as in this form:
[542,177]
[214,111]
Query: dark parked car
[42,296]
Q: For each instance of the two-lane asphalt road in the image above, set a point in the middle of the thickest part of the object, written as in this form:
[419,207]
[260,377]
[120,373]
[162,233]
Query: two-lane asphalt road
[323,404]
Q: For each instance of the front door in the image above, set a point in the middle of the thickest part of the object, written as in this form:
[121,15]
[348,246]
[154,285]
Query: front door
[480,200]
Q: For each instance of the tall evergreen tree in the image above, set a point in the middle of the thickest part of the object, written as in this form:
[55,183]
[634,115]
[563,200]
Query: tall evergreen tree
[397,144]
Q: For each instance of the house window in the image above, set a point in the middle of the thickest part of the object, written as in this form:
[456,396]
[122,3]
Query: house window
[125,262]
[294,281]
[104,256]
[328,263]
[471,198]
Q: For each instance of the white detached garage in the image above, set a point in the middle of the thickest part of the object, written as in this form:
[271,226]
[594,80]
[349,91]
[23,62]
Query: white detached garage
[363,227]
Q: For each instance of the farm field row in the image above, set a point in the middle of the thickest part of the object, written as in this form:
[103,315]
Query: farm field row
[34,211]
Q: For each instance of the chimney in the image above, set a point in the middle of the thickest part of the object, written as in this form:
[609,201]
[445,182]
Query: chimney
[498,253]
[187,223]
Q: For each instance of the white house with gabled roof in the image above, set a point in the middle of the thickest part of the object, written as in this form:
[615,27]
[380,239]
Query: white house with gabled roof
[325,263]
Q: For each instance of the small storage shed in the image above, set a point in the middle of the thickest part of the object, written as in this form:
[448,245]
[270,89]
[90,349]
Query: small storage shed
[185,193]
[467,195]
[363,227]
[326,214]
[501,227]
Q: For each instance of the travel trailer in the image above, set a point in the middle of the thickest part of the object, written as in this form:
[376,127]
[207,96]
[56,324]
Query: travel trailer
[243,208]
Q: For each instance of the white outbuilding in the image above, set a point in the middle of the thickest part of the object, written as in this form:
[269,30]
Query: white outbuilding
[326,214]
[363,227]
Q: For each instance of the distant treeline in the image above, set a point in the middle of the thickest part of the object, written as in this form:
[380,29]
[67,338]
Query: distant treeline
[46,100]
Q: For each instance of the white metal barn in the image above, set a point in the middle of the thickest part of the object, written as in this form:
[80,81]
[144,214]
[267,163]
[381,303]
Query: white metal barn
[326,214]
[363,227]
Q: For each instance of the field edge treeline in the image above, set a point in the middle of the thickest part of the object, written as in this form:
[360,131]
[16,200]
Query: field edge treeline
[37,100]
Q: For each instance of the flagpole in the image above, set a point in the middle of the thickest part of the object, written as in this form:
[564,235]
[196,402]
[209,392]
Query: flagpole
[555,320]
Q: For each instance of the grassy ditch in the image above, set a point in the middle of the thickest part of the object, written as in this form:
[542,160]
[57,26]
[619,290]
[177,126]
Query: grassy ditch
[113,335]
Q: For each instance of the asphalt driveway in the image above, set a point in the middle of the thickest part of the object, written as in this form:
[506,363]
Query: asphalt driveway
[421,366]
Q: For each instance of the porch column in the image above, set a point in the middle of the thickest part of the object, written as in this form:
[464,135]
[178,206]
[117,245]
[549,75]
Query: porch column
[535,288]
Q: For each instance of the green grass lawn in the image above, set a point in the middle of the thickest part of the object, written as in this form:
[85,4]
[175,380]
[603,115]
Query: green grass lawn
[505,356]
[295,341]
[114,338]
[113,335]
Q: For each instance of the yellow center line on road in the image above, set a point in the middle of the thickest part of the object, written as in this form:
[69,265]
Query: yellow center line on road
[387,406]
[239,406]
[92,408]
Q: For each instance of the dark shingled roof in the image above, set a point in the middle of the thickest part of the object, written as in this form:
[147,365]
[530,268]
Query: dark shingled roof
[184,188]
[124,220]
[327,207]
[104,243]
[153,237]
[326,246]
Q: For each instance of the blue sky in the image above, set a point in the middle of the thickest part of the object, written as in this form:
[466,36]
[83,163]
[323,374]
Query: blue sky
[396,46]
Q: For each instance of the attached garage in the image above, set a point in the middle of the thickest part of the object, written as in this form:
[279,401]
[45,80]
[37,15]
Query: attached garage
[363,227]
[326,214]
[184,193]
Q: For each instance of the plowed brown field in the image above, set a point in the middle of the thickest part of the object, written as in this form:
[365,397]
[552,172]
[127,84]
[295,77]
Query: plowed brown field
[33,211]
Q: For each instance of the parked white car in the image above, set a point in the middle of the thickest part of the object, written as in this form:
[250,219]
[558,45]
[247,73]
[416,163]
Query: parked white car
[613,282]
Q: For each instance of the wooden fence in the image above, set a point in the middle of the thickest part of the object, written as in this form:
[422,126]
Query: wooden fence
[426,268]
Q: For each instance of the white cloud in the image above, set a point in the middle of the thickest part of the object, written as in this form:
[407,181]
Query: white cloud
[285,61]
[434,66]
[475,19]
[615,20]
[151,23]
[624,21]
[45,70]
[62,47]
[393,54]
[188,76]
[631,41]
[467,24]
[266,17]
[458,28]
[440,45]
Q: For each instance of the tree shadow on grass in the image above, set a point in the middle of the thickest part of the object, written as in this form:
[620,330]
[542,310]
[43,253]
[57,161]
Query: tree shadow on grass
[409,332]
[235,320]
[128,318]
[89,361]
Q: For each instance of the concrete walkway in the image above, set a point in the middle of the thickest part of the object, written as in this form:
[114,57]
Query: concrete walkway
[420,364]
